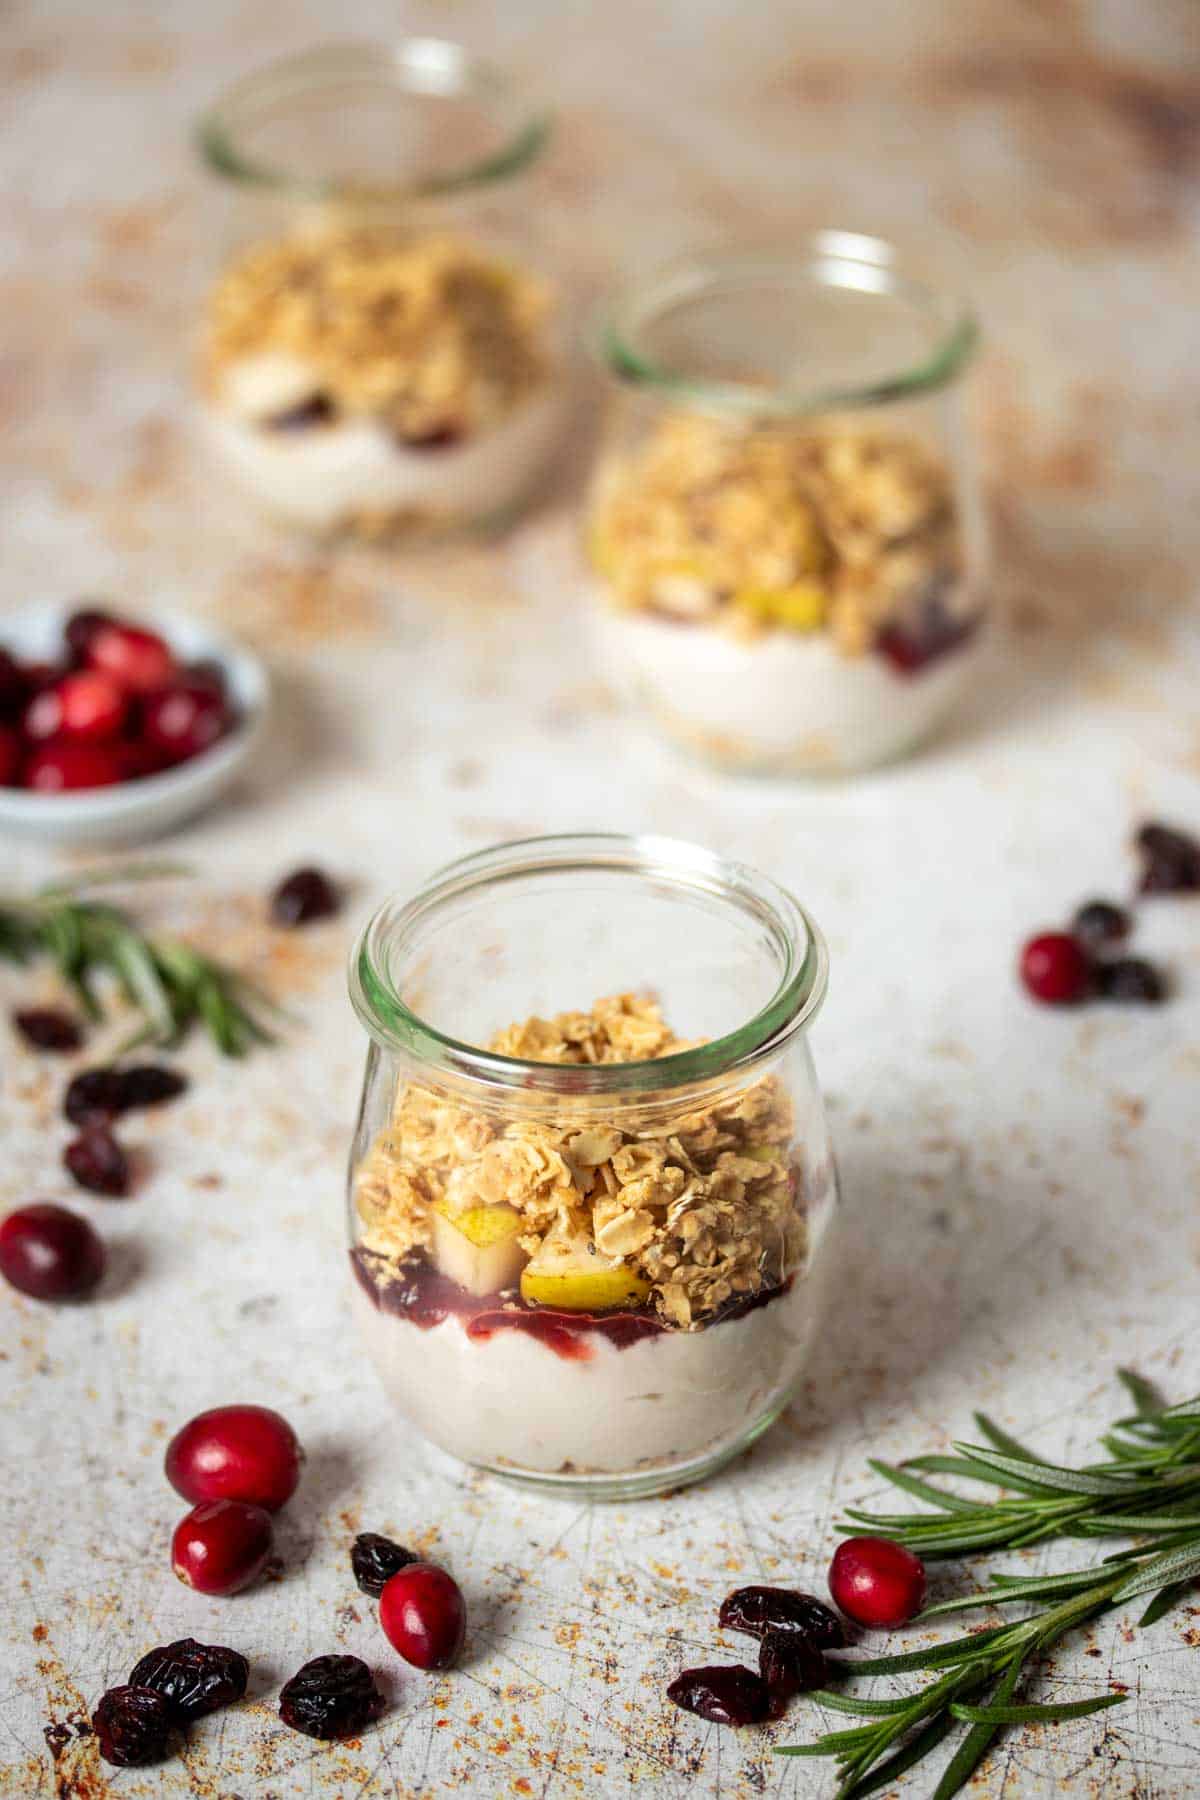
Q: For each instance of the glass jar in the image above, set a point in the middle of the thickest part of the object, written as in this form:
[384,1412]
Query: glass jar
[785,527]
[381,350]
[584,1247]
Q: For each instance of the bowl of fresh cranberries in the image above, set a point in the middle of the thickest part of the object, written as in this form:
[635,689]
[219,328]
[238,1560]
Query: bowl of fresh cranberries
[114,729]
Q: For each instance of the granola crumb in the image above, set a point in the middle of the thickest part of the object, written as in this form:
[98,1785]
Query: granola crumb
[814,528]
[425,333]
[704,1203]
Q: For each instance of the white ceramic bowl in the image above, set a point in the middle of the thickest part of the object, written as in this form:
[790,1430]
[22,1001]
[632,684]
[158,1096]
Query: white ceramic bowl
[135,810]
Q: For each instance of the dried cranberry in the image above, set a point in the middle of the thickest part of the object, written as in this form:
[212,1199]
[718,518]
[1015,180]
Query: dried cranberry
[726,1696]
[1133,980]
[97,1095]
[757,1610]
[877,1582]
[235,1453]
[82,627]
[50,1253]
[60,768]
[132,1726]
[1171,860]
[183,719]
[93,1096]
[331,1697]
[220,1548]
[1099,923]
[318,409]
[1056,969]
[48,1028]
[193,1678]
[97,1162]
[790,1663]
[376,1559]
[304,895]
[149,1084]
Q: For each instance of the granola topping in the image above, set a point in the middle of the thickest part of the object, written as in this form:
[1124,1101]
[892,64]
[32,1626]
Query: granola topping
[825,528]
[701,1204]
[429,335]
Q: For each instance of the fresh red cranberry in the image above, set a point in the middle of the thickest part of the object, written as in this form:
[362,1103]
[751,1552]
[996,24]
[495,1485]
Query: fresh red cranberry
[302,896]
[1133,980]
[139,660]
[209,673]
[331,1697]
[132,1726]
[1056,969]
[88,706]
[12,684]
[876,1582]
[10,756]
[183,719]
[59,768]
[725,1696]
[139,758]
[423,1616]
[222,1546]
[48,1028]
[97,1162]
[1170,860]
[235,1453]
[50,1253]
[81,628]
[1099,924]
[39,675]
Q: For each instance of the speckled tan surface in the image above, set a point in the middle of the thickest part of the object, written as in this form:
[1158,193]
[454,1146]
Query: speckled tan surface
[1021,1189]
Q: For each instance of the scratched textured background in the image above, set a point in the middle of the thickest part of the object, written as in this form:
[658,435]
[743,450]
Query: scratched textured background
[1021,1189]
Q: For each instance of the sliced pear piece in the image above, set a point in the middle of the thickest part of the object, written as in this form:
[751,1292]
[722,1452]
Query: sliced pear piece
[478,1248]
[572,1275]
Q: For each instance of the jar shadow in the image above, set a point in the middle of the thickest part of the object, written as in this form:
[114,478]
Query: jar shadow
[954,1284]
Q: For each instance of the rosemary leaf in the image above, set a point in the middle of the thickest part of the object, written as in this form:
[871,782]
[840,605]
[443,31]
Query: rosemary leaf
[922,1490]
[978,1741]
[1001,1714]
[999,1439]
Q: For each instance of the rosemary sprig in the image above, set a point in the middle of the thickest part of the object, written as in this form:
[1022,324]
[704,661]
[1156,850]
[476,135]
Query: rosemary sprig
[1148,1486]
[171,985]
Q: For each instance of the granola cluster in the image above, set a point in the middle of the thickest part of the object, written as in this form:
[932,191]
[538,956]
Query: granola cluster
[824,528]
[427,334]
[704,1205]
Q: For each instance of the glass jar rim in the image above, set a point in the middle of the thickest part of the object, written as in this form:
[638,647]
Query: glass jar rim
[832,258]
[792,1006]
[422,66]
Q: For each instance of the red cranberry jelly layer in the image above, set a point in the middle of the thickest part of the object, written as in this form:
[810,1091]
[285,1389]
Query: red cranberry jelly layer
[419,1293]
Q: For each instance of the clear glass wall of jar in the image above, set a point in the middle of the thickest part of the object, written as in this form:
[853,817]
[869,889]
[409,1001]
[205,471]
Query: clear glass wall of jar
[591,1183]
[785,530]
[381,349]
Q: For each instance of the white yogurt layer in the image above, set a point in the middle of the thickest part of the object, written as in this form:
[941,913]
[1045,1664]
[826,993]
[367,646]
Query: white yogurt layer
[780,701]
[321,475]
[510,1401]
